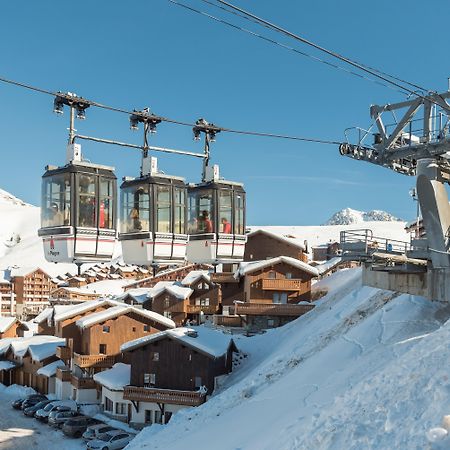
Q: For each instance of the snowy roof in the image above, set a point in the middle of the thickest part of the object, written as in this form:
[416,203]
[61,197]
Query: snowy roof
[195,275]
[287,238]
[172,287]
[50,369]
[84,307]
[105,287]
[47,313]
[329,265]
[115,378]
[42,346]
[139,295]
[205,340]
[249,267]
[5,277]
[6,323]
[23,271]
[115,311]
[7,365]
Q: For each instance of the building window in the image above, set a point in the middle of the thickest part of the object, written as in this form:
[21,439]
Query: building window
[147,328]
[289,275]
[148,416]
[158,417]
[168,314]
[155,356]
[204,302]
[102,349]
[272,275]
[134,328]
[121,408]
[167,302]
[105,328]
[270,323]
[108,404]
[198,382]
[149,379]
[276,297]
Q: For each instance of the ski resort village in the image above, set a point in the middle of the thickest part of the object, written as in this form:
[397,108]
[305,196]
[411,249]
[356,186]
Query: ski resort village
[199,250]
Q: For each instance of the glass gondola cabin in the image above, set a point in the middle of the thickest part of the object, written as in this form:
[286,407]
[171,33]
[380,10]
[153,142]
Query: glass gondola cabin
[216,222]
[78,213]
[153,220]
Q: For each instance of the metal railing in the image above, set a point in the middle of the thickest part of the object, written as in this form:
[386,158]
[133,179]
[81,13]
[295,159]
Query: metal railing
[271,309]
[189,398]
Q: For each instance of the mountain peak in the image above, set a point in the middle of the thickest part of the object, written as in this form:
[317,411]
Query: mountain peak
[7,198]
[348,216]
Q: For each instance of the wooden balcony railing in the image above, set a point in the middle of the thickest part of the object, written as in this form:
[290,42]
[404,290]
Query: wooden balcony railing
[63,373]
[283,284]
[179,307]
[83,383]
[64,353]
[271,309]
[223,277]
[141,394]
[196,309]
[101,361]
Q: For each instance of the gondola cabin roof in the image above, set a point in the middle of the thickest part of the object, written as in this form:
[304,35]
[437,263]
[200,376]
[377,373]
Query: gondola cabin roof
[153,179]
[221,184]
[80,167]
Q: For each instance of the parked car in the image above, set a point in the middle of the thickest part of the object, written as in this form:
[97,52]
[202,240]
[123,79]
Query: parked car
[31,401]
[31,410]
[60,408]
[110,441]
[17,404]
[94,431]
[77,426]
[42,414]
[59,418]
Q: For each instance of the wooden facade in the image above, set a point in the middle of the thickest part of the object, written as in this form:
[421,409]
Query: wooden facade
[16,329]
[263,245]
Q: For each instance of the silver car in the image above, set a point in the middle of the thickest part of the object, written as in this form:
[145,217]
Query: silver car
[94,431]
[110,441]
[58,418]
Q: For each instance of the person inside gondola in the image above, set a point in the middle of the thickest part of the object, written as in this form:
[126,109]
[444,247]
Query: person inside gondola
[205,223]
[135,221]
[226,226]
[55,216]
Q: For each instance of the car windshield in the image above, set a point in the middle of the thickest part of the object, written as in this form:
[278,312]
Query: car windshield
[41,404]
[49,407]
[105,437]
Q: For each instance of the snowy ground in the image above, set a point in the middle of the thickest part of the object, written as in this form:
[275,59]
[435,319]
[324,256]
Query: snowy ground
[365,369]
[19,432]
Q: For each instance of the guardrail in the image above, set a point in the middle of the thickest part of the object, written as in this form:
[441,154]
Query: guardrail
[190,398]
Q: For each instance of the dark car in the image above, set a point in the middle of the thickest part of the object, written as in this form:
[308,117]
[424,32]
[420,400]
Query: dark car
[29,412]
[77,426]
[32,401]
[17,404]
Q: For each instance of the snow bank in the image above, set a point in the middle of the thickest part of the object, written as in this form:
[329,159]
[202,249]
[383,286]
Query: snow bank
[115,378]
[365,369]
[15,391]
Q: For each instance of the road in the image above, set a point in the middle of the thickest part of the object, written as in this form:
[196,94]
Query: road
[19,432]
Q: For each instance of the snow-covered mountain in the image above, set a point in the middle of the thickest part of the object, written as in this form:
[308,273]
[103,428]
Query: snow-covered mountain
[19,243]
[348,216]
[366,368]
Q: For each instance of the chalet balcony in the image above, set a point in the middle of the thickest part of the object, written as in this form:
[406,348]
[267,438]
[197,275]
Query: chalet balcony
[99,361]
[283,284]
[223,277]
[64,353]
[82,383]
[63,374]
[271,309]
[196,309]
[142,394]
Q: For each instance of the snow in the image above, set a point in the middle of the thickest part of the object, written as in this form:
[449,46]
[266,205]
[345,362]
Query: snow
[106,287]
[119,310]
[39,346]
[283,237]
[75,310]
[172,287]
[249,267]
[366,368]
[139,295]
[6,365]
[115,378]
[6,323]
[206,340]
[195,275]
[50,369]
[43,351]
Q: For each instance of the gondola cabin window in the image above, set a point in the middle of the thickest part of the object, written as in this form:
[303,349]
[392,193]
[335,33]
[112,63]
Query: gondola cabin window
[201,212]
[239,205]
[135,209]
[106,205]
[163,209]
[86,201]
[179,213]
[55,209]
[225,211]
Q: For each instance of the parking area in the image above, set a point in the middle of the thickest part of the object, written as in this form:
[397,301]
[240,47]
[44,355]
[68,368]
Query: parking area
[19,432]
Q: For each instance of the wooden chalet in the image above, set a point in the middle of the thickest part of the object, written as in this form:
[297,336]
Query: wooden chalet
[173,370]
[11,327]
[262,244]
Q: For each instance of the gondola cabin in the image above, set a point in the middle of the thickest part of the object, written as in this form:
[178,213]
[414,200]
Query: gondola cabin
[216,221]
[78,212]
[153,218]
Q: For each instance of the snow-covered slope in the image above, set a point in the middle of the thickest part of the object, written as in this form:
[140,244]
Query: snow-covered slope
[348,216]
[19,242]
[365,369]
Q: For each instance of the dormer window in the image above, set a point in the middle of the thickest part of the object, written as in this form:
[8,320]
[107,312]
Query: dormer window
[106,329]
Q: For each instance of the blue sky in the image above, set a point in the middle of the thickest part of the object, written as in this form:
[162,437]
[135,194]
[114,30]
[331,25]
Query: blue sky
[184,66]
